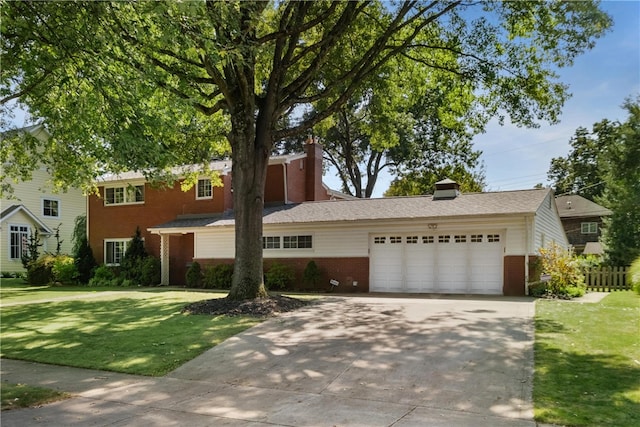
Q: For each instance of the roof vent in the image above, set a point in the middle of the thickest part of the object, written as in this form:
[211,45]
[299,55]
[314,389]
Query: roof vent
[446,189]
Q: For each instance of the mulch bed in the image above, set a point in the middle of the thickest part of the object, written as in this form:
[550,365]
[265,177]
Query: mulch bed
[259,307]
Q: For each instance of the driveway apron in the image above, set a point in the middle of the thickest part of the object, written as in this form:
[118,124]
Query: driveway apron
[346,361]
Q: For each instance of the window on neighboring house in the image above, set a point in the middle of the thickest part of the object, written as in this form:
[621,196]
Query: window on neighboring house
[589,227]
[18,240]
[124,195]
[114,251]
[51,208]
[204,190]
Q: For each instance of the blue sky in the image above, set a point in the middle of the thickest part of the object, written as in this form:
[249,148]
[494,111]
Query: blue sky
[599,81]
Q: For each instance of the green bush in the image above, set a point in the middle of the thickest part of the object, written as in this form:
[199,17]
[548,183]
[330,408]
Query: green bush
[634,275]
[133,259]
[104,276]
[279,276]
[150,271]
[64,270]
[218,277]
[566,277]
[40,271]
[194,275]
[312,274]
[84,261]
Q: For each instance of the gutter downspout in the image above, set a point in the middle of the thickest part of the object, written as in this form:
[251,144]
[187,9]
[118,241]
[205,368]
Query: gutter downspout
[526,255]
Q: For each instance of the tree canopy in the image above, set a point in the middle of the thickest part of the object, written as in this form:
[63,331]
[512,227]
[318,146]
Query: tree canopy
[147,85]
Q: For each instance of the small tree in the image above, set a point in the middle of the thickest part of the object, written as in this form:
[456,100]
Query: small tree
[82,253]
[312,274]
[32,252]
[134,256]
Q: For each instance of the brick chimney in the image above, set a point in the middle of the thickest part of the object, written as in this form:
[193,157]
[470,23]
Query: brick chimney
[314,189]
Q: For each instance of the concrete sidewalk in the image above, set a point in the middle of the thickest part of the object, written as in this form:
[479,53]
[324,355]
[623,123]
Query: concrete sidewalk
[399,362]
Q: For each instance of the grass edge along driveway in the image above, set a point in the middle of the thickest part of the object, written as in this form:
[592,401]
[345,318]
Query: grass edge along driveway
[587,362]
[140,333]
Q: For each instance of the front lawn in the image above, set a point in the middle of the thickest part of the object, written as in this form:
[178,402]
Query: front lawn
[137,332]
[587,362]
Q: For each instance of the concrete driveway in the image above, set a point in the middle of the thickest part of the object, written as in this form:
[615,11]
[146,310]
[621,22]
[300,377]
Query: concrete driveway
[348,361]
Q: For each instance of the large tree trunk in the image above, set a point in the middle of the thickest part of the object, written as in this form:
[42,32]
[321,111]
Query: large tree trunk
[250,156]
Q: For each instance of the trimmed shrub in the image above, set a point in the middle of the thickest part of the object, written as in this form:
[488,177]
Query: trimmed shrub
[104,276]
[279,276]
[194,275]
[84,261]
[132,261]
[218,277]
[312,274]
[64,269]
[150,271]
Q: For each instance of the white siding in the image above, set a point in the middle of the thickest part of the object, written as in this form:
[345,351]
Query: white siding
[548,227]
[352,239]
[31,194]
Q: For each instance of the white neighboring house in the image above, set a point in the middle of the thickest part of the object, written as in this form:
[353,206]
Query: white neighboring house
[35,205]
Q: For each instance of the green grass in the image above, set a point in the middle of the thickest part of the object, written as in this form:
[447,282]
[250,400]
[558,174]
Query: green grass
[138,332]
[587,362]
[15,396]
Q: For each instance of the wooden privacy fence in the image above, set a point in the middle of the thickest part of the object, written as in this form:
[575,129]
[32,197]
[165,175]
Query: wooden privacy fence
[606,279]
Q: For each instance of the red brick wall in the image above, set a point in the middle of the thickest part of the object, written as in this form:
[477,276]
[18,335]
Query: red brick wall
[160,206]
[274,187]
[344,270]
[296,180]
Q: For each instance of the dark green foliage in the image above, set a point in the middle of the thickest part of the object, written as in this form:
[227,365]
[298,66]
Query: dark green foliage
[82,252]
[133,259]
[39,271]
[218,277]
[279,276]
[312,274]
[150,271]
[194,275]
[58,239]
[634,275]
[104,276]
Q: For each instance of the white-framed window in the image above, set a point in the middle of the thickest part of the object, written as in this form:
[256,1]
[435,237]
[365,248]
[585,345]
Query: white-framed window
[51,208]
[297,242]
[427,239]
[125,195]
[114,250]
[444,239]
[476,238]
[18,241]
[412,239]
[589,228]
[204,190]
[460,238]
[270,242]
[379,240]
[493,238]
[395,239]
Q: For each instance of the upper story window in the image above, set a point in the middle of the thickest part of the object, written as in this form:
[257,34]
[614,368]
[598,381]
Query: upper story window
[18,240]
[204,189]
[124,195]
[51,208]
[589,227]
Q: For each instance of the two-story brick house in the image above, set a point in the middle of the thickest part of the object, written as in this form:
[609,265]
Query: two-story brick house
[126,202]
[582,222]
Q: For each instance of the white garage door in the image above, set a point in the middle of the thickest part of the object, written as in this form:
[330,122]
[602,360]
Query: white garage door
[432,263]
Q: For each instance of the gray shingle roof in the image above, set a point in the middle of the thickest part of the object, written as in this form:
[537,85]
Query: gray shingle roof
[575,206]
[391,208]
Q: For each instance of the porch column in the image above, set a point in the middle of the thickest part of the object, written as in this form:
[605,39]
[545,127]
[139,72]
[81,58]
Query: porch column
[164,259]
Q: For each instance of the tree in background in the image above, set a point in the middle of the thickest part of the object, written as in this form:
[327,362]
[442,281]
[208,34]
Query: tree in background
[621,173]
[82,253]
[149,85]
[581,172]
[424,182]
[604,166]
